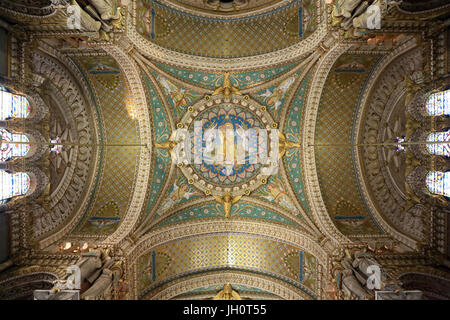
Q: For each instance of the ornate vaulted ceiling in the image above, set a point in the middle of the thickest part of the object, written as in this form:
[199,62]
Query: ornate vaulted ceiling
[116,90]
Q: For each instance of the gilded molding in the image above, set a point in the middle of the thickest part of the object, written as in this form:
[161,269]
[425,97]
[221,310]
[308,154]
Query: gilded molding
[145,132]
[312,186]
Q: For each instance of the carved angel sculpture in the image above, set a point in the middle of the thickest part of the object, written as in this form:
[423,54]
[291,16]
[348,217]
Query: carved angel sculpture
[107,9]
[227,294]
[345,7]
[81,20]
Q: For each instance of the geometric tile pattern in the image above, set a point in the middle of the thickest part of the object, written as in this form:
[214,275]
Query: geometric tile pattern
[226,250]
[119,163]
[335,167]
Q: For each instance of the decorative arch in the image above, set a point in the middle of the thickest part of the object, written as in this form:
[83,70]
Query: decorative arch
[263,231]
[433,287]
[314,196]
[264,283]
[385,87]
[171,57]
[145,132]
[25,186]
[22,285]
[68,90]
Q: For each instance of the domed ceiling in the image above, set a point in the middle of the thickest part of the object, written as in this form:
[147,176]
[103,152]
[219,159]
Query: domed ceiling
[186,229]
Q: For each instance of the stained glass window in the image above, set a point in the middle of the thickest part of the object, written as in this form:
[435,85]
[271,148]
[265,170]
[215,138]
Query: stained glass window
[439,183]
[13,185]
[13,105]
[439,103]
[13,150]
[439,149]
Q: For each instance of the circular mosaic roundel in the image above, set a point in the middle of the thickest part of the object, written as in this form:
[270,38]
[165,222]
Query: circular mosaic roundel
[226,115]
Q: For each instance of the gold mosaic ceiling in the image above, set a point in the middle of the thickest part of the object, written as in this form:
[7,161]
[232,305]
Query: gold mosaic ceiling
[179,221]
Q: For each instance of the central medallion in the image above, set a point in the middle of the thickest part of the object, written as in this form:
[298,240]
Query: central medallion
[227,118]
[232,159]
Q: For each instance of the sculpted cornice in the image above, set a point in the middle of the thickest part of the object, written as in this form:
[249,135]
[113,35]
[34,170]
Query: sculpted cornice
[369,101]
[27,10]
[75,93]
[423,13]
[11,278]
[312,186]
[422,270]
[157,53]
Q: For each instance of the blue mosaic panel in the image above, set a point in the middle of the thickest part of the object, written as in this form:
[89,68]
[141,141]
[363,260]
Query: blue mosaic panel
[161,133]
[214,80]
[293,133]
[240,209]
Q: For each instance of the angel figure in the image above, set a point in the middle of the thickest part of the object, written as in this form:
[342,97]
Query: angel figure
[176,195]
[227,201]
[273,99]
[178,95]
[277,194]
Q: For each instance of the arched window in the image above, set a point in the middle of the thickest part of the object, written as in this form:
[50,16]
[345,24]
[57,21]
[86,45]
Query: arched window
[13,185]
[13,105]
[439,183]
[13,150]
[439,149]
[438,103]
